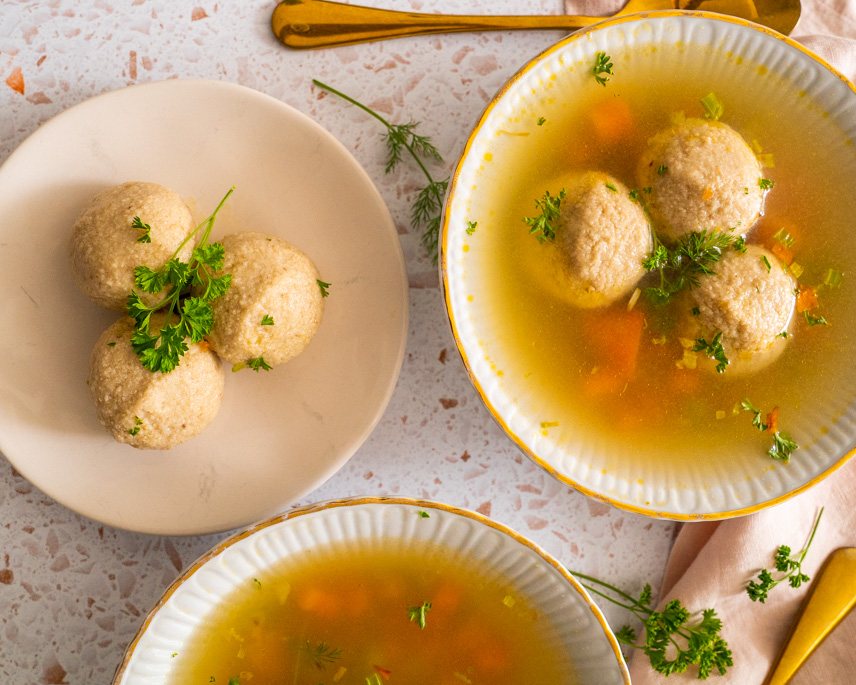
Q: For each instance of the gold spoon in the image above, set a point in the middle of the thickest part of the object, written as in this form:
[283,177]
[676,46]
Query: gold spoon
[832,597]
[319,23]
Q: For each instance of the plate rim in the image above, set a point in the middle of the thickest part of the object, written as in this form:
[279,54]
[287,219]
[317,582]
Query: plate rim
[388,223]
[649,511]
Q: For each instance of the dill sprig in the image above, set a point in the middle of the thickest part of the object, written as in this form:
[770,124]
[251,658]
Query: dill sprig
[322,654]
[684,264]
[669,632]
[425,212]
[785,563]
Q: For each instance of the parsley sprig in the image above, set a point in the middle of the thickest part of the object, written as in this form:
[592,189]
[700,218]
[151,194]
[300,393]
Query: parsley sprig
[783,444]
[713,349]
[162,350]
[672,642]
[145,228]
[684,264]
[544,225]
[785,563]
[602,66]
[425,212]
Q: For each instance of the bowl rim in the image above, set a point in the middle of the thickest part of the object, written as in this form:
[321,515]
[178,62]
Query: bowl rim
[358,500]
[444,256]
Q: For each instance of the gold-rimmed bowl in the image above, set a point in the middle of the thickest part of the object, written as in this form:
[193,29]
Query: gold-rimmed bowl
[184,612]
[779,75]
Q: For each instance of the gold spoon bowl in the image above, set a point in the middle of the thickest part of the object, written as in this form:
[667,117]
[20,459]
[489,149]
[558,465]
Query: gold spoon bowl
[307,24]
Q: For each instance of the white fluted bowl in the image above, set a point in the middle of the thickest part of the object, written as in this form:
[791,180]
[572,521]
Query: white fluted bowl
[782,76]
[374,521]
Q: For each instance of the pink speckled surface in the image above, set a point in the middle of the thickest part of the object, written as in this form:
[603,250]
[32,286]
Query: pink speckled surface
[73,592]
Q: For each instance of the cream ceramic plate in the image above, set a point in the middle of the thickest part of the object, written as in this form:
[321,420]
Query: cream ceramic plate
[279,434]
[393,523]
[782,76]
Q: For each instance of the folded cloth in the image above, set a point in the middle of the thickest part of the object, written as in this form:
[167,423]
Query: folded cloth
[711,563]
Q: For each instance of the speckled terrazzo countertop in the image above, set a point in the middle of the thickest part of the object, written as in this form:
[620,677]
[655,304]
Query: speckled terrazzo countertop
[72,591]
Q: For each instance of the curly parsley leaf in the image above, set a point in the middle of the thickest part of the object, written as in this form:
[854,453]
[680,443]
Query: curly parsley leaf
[267,320]
[544,225]
[713,349]
[602,66]
[258,364]
[785,563]
[145,228]
[673,641]
[783,445]
[162,350]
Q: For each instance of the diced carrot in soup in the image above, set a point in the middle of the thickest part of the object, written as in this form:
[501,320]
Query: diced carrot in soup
[612,120]
[614,336]
[807,299]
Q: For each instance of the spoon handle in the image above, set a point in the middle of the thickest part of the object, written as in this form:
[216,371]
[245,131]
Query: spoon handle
[832,596]
[319,23]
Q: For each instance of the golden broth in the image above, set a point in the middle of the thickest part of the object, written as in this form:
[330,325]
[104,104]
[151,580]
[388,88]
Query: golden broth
[557,350]
[286,625]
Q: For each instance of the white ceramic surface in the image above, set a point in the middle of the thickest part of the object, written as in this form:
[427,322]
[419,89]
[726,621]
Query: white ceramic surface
[776,70]
[497,550]
[279,434]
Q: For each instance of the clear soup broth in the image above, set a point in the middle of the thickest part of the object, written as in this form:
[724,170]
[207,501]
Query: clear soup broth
[351,616]
[555,350]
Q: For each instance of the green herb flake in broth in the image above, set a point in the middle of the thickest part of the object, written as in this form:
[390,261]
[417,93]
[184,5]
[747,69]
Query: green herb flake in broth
[471,227]
[739,245]
[713,349]
[712,106]
[696,311]
[765,183]
[813,320]
[602,66]
[267,320]
[234,680]
[662,169]
[323,286]
[417,614]
[783,238]
[544,225]
[542,121]
[833,278]
[111,344]
[258,583]
[766,263]
[424,514]
[647,190]
[634,195]
[611,187]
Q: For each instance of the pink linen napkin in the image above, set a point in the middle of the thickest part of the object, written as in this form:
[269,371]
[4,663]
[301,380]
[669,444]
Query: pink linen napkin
[711,563]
